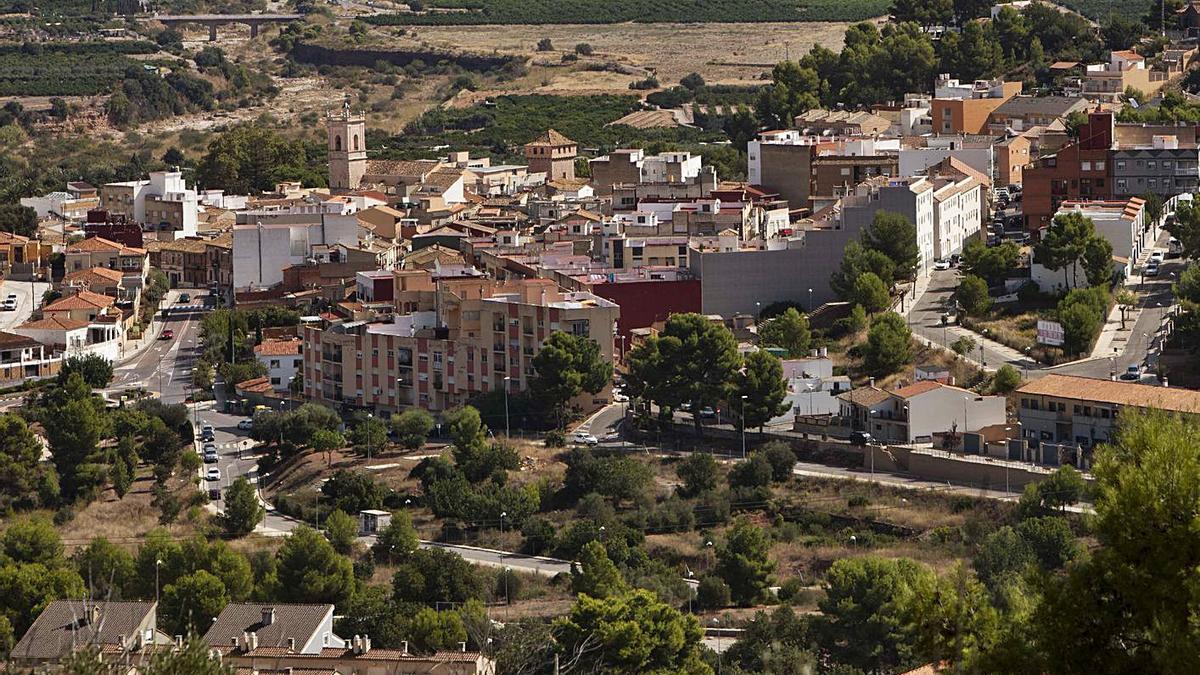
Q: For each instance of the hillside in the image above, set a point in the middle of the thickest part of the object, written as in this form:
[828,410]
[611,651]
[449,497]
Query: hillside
[457,12]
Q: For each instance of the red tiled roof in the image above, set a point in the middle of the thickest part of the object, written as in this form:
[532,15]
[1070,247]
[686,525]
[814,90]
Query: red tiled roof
[84,299]
[278,348]
[54,323]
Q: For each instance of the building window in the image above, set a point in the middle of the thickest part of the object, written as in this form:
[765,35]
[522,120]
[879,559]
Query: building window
[1099,165]
[1085,166]
[274,363]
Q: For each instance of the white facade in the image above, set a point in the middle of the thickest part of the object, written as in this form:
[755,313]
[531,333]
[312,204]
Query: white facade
[55,203]
[1121,223]
[166,186]
[281,368]
[946,407]
[261,251]
[958,215]
[671,167]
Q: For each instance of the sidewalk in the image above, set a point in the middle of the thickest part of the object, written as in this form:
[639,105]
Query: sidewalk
[150,335]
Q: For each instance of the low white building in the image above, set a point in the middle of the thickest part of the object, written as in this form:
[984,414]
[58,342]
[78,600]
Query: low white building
[1122,222]
[958,213]
[283,360]
[918,411]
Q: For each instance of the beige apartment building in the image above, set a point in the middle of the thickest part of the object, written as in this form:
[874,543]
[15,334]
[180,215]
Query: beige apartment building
[448,340]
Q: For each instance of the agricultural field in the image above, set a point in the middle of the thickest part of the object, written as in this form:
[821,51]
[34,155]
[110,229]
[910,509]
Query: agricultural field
[1096,10]
[724,53]
[468,12]
[66,69]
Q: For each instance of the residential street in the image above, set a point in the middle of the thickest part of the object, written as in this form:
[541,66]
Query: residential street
[1137,346]
[28,294]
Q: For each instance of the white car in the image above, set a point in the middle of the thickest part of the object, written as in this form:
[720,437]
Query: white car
[618,397]
[246,424]
[212,474]
[584,438]
[941,264]
[1157,257]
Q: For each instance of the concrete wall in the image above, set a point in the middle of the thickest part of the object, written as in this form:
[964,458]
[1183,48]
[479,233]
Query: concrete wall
[938,465]
[786,169]
[939,410]
[743,282]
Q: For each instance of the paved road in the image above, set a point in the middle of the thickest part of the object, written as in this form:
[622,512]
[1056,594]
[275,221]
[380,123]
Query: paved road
[1155,297]
[165,366]
[28,295]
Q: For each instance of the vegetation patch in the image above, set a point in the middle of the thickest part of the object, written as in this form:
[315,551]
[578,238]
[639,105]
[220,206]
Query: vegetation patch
[621,11]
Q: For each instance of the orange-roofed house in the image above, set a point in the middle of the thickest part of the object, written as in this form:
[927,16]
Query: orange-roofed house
[914,413]
[85,322]
[100,280]
[133,263]
[283,360]
[1084,411]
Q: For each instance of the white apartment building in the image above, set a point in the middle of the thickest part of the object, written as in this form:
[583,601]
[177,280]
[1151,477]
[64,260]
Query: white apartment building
[283,360]
[958,213]
[164,204]
[911,197]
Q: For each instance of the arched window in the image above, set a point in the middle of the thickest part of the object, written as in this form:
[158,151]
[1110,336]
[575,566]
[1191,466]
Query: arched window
[337,143]
[356,141]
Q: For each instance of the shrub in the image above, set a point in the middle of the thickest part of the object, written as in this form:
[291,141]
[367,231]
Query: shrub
[584,49]
[712,593]
[555,439]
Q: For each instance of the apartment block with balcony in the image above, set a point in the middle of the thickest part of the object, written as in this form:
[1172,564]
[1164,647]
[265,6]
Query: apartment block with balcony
[449,340]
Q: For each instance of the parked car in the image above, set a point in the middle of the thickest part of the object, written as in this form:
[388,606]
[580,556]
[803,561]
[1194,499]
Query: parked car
[707,413]
[941,264]
[860,438]
[213,473]
[1157,257]
[210,457]
[584,438]
[1133,372]
[1151,270]
[207,432]
[8,305]
[246,424]
[618,397]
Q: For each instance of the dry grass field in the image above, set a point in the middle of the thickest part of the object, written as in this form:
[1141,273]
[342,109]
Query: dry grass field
[729,53]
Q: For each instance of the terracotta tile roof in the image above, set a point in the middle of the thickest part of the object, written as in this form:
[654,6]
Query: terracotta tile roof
[865,396]
[278,348]
[84,299]
[11,238]
[1115,392]
[14,341]
[417,168]
[551,138]
[300,622]
[54,323]
[65,624]
[917,388]
[98,244]
[186,245]
[94,275]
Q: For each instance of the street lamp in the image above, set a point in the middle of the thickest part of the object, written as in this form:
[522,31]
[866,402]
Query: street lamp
[744,397]
[507,430]
[502,516]
[809,386]
[982,358]
[810,307]
[370,435]
[157,564]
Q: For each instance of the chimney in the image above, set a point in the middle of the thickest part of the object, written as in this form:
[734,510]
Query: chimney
[121,640]
[178,640]
[235,643]
[404,647]
[291,643]
[462,646]
[268,616]
[872,382]
[366,643]
[824,352]
[253,641]
[93,614]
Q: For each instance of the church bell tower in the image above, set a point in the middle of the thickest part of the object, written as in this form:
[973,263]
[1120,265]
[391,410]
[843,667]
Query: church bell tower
[347,148]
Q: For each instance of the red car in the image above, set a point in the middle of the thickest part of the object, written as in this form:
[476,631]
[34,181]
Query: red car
[167,334]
